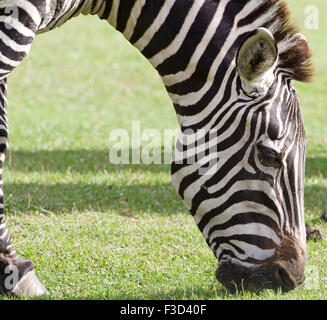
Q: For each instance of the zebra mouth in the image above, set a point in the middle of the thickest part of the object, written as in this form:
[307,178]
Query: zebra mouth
[283,271]
[236,278]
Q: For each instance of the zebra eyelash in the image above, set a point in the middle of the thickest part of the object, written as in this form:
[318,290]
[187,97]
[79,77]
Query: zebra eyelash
[269,157]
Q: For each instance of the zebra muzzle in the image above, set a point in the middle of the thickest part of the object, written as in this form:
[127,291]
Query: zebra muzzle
[235,278]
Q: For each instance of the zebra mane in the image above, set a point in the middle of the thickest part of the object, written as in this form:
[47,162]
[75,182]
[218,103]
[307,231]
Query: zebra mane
[294,52]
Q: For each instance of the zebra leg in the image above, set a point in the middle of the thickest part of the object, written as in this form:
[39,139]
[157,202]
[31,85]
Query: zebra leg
[16,274]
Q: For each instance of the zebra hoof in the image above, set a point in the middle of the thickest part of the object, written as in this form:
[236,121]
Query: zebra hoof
[324,216]
[29,286]
[313,233]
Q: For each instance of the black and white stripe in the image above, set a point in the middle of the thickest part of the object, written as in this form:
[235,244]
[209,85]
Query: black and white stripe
[243,207]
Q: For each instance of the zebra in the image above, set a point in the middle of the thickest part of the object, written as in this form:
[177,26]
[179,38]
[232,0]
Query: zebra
[238,165]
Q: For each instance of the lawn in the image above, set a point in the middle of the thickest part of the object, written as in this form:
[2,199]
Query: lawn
[101,231]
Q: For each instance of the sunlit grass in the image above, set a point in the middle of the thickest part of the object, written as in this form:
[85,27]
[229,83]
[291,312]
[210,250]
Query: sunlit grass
[95,230]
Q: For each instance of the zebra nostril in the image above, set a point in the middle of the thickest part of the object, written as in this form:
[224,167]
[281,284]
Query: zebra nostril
[283,279]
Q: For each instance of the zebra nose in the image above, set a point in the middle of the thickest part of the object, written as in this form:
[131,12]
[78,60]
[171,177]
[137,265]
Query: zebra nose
[236,278]
[284,279]
[281,279]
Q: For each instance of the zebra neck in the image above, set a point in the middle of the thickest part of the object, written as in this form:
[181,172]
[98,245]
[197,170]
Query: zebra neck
[185,41]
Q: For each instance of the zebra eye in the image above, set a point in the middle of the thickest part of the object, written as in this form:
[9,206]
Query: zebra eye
[269,157]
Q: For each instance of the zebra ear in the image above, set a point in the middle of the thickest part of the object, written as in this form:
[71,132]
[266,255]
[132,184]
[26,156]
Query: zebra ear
[256,61]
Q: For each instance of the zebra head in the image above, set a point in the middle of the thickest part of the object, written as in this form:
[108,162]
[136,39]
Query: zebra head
[242,177]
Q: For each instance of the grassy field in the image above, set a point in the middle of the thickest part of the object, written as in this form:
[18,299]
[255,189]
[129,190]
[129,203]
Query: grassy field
[100,231]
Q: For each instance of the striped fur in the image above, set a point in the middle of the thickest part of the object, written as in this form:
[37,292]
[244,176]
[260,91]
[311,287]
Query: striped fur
[243,207]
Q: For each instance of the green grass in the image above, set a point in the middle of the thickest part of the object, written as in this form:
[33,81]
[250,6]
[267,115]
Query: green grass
[99,231]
